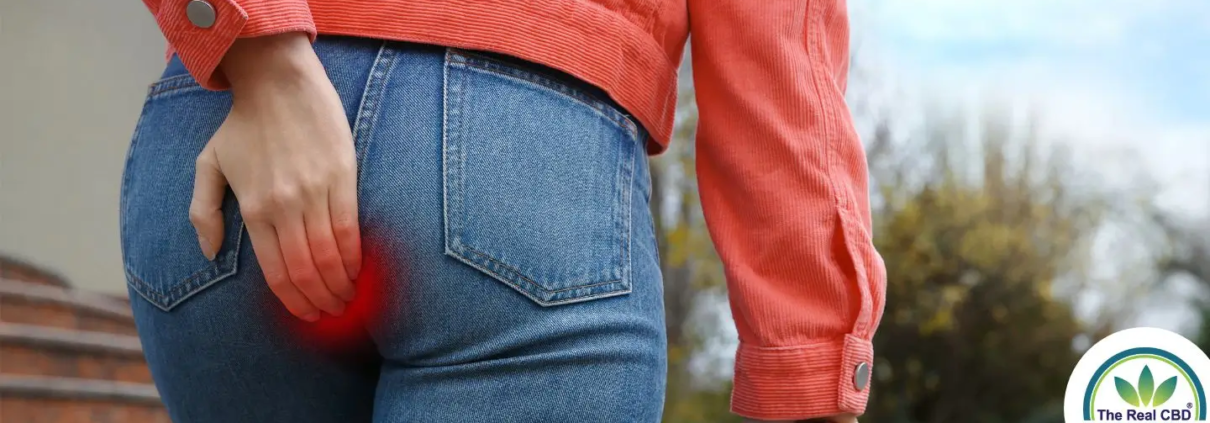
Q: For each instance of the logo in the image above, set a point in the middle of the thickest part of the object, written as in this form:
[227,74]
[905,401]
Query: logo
[1140,374]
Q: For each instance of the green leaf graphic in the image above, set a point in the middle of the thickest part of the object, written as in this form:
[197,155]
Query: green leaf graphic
[1146,386]
[1126,391]
[1164,391]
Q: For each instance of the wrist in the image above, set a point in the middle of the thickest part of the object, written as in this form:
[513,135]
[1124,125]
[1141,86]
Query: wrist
[273,60]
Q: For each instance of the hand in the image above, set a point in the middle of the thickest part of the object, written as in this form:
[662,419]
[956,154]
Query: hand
[287,152]
[843,418]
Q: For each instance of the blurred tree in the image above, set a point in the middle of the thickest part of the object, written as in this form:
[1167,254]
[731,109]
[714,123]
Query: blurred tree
[974,243]
[1188,255]
[979,227]
[1189,247]
[692,271]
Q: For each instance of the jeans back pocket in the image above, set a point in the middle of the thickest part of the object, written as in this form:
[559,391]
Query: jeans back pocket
[538,179]
[160,251]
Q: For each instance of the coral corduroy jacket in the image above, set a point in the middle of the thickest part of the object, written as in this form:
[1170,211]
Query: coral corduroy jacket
[782,172]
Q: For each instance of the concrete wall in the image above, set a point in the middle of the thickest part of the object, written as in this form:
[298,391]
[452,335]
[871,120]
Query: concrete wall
[73,74]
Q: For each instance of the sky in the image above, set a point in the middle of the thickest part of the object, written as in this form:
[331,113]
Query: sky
[1126,82]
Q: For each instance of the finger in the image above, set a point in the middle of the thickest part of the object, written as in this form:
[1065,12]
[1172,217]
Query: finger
[268,254]
[292,235]
[324,250]
[342,202]
[206,208]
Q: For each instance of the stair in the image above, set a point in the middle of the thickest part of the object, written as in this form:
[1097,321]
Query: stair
[70,356]
[40,351]
[51,306]
[64,400]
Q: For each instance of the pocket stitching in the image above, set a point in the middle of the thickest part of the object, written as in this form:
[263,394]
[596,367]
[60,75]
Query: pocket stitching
[531,281]
[225,265]
[175,83]
[483,64]
[494,67]
[168,299]
[626,289]
[453,121]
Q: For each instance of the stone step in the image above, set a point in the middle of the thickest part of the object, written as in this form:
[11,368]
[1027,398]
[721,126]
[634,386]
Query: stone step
[20,270]
[52,352]
[68,400]
[53,306]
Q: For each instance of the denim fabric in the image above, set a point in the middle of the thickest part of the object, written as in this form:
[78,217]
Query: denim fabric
[511,271]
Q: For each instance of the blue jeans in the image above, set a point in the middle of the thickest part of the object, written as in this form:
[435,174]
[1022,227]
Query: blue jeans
[511,269]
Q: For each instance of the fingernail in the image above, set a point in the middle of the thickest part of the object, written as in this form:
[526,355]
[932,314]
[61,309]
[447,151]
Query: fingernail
[207,249]
[354,271]
[311,317]
[347,295]
[339,311]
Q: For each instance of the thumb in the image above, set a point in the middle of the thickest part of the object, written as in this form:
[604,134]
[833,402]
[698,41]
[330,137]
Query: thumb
[205,212]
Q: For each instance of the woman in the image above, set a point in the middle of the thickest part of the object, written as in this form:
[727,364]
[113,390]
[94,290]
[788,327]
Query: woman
[451,201]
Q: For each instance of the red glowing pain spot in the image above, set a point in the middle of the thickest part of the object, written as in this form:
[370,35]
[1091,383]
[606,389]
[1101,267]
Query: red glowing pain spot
[350,329]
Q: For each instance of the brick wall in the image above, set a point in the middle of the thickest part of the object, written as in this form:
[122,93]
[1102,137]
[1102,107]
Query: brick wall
[68,356]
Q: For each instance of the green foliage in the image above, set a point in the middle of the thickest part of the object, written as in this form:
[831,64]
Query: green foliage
[691,268]
[972,331]
[701,405]
[974,240]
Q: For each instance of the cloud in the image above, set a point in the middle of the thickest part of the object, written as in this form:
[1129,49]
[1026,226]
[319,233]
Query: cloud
[1123,83]
[1109,75]
[1068,22]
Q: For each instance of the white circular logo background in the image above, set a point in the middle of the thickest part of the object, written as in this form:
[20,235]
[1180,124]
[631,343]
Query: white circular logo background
[1139,374]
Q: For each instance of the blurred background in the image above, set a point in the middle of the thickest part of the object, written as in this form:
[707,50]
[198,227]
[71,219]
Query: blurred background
[1040,175]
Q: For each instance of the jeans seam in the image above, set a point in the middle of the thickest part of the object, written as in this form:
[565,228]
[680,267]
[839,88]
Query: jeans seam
[445,198]
[628,200]
[473,61]
[450,155]
[172,84]
[369,106]
[531,281]
[124,193]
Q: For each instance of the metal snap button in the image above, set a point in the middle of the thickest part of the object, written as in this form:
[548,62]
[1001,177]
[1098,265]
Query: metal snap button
[200,13]
[861,376]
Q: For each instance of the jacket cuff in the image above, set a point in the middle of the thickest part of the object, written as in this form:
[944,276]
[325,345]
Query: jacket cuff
[202,49]
[802,382]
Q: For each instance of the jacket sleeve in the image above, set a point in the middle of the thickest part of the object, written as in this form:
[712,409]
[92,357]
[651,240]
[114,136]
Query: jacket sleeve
[201,49]
[784,188]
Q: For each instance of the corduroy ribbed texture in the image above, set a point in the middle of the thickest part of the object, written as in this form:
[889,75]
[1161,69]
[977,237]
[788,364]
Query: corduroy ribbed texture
[577,37]
[201,49]
[776,379]
[784,189]
[781,170]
